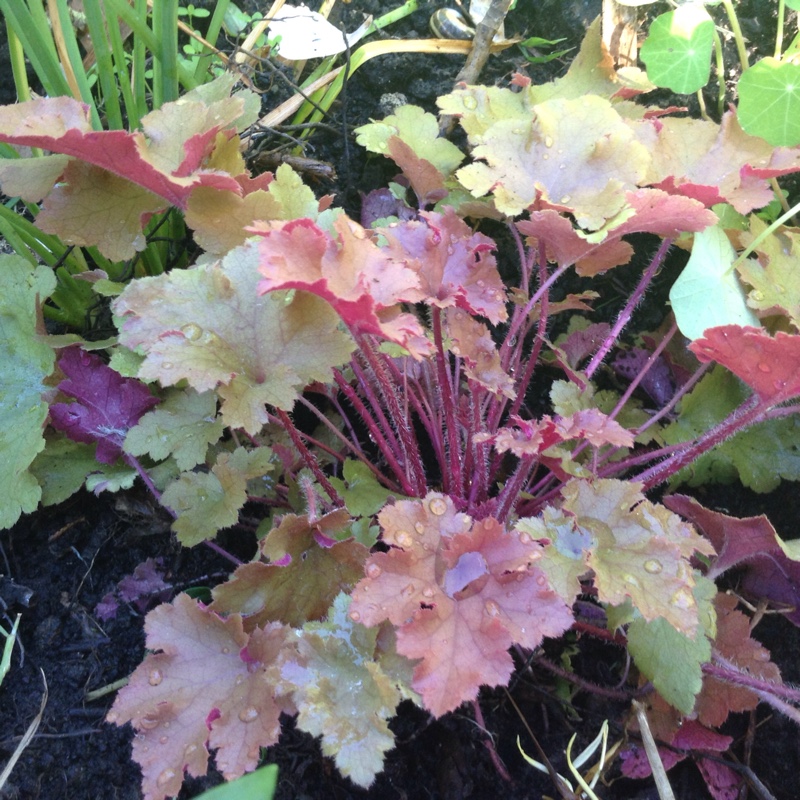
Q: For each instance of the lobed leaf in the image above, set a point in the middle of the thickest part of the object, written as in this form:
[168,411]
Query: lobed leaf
[208,326]
[360,281]
[303,576]
[459,592]
[769,365]
[107,405]
[25,362]
[207,684]
[345,691]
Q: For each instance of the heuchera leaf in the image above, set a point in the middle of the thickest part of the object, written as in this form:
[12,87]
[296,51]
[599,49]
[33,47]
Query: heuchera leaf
[208,325]
[25,361]
[455,265]
[645,211]
[107,405]
[345,691]
[733,642]
[636,549]
[531,437]
[96,199]
[182,426]
[769,365]
[577,155]
[62,467]
[360,281]
[772,568]
[707,293]
[774,277]
[472,341]
[759,456]
[303,576]
[206,502]
[459,592]
[206,685]
[715,163]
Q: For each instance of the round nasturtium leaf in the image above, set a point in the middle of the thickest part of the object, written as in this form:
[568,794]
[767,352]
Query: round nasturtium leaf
[769,101]
[677,51]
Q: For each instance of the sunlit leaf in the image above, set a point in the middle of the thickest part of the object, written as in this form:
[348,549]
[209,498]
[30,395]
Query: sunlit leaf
[769,101]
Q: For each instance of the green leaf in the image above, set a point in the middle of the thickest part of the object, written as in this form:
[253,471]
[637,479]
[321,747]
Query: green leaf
[769,101]
[360,490]
[25,361]
[183,425]
[258,785]
[205,502]
[759,456]
[670,659]
[62,467]
[345,693]
[707,293]
[677,52]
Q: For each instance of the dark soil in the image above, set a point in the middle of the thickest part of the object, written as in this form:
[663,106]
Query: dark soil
[60,562]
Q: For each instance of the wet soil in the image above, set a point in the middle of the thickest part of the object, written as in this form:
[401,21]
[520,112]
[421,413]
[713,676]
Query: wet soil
[58,564]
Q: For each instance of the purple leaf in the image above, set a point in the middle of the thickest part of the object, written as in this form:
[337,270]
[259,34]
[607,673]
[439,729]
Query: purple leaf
[107,404]
[144,585]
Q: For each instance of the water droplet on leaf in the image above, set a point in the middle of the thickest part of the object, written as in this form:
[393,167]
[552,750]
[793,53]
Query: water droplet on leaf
[404,539]
[248,714]
[428,592]
[548,141]
[374,571]
[409,590]
[419,528]
[437,506]
[155,677]
[653,566]
[683,598]
[192,332]
[765,368]
[525,538]
[470,102]
[632,580]
[148,723]
[491,608]
[164,778]
[355,616]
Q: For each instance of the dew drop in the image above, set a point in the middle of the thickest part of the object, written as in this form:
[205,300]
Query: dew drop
[192,332]
[409,590]
[765,368]
[541,579]
[437,506]
[374,571]
[428,592]
[632,580]
[190,748]
[653,566]
[167,365]
[112,717]
[562,166]
[248,714]
[148,723]
[683,598]
[355,616]
[225,651]
[404,539]
[548,141]
[155,677]
[419,528]
[491,608]
[470,102]
[565,199]
[165,777]
[163,740]
[525,538]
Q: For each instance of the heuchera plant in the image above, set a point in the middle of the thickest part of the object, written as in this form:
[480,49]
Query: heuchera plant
[429,513]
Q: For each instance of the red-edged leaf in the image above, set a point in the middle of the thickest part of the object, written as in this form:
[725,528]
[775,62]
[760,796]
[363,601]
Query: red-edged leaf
[107,405]
[751,542]
[771,366]
[362,283]
[460,593]
[211,685]
[454,264]
[647,211]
